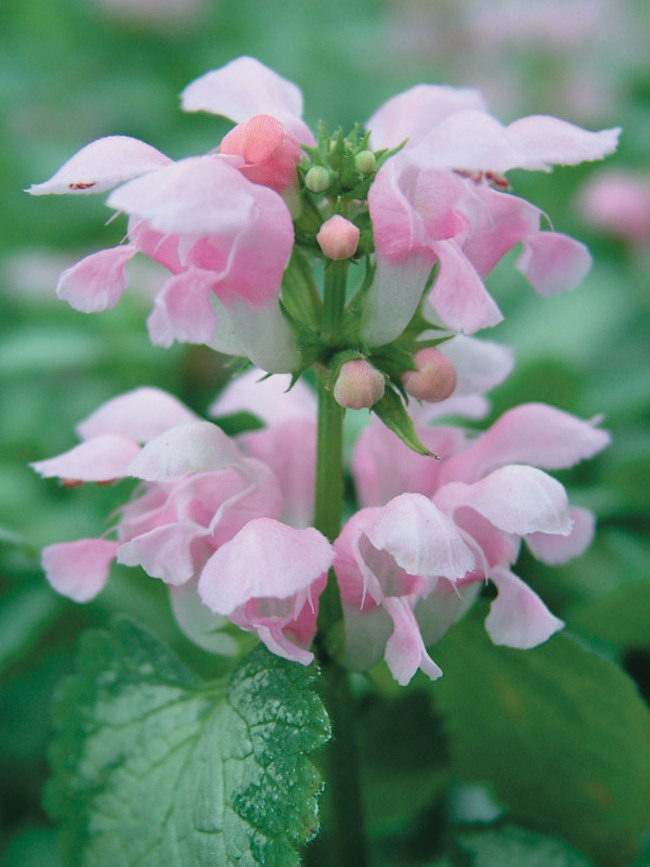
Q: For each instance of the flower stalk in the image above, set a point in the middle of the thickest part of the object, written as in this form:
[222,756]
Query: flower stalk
[341,840]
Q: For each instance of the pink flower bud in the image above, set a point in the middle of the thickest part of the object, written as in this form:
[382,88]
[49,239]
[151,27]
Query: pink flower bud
[434,379]
[358,385]
[270,153]
[338,238]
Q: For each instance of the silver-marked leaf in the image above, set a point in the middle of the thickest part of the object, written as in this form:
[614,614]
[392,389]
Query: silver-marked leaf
[152,765]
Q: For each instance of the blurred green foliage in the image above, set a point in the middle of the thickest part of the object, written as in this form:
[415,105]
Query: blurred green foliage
[74,71]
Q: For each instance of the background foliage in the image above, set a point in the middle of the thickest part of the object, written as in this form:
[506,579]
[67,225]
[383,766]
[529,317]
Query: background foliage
[77,70]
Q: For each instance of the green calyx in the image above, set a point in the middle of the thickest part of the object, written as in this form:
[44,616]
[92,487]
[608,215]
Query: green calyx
[327,328]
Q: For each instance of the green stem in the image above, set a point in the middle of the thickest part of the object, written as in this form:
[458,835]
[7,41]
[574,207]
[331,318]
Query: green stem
[341,842]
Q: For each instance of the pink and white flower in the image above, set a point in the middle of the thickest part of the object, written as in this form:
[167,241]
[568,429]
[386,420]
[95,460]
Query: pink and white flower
[430,533]
[224,234]
[199,520]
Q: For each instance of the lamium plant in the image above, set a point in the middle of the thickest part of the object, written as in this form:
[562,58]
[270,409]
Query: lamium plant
[347,268]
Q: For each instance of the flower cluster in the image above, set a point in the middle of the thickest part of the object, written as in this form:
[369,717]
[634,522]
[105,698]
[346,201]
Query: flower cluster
[419,207]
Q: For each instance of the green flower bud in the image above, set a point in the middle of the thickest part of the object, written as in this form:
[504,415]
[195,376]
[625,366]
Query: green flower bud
[317,179]
[365,162]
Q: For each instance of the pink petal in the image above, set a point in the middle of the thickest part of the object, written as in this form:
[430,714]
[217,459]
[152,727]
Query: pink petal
[518,617]
[139,415]
[475,141]
[157,246]
[480,364]
[198,196]
[271,154]
[412,114]
[618,202]
[516,499]
[79,570]
[468,140]
[245,87]
[504,221]
[458,295]
[358,586]
[378,447]
[182,310]
[266,559]
[556,550]
[98,281]
[100,459]
[289,449]
[532,433]
[553,263]
[249,226]
[411,208]
[420,538]
[548,140]
[444,606]
[164,552]
[103,164]
[273,636]
[405,650]
[195,447]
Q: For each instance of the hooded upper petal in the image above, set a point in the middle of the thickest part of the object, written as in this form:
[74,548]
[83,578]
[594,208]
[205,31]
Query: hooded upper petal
[101,165]
[101,459]
[139,415]
[245,87]
[475,141]
[266,559]
[194,447]
[515,499]
[411,115]
[533,433]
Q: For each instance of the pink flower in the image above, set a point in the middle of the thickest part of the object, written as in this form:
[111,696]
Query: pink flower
[427,215]
[433,203]
[479,501]
[225,239]
[201,496]
[388,558]
[268,578]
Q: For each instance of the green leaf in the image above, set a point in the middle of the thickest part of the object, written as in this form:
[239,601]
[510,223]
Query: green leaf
[406,772]
[24,615]
[516,847]
[561,735]
[152,765]
[392,412]
[621,618]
